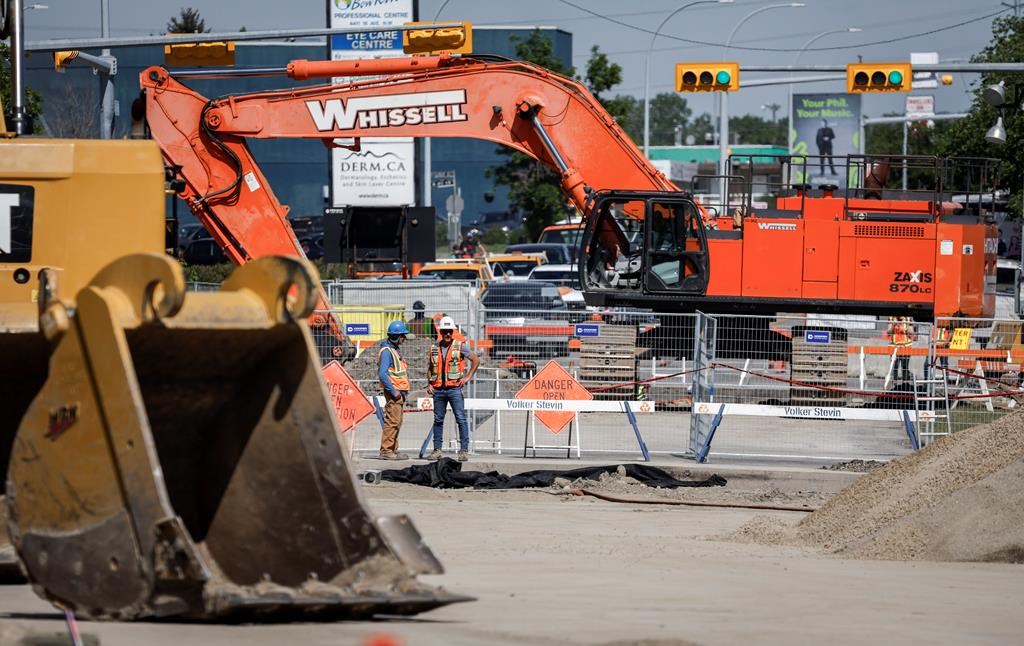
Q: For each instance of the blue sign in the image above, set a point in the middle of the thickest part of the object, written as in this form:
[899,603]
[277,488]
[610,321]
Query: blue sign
[367,41]
[817,336]
[357,329]
[588,329]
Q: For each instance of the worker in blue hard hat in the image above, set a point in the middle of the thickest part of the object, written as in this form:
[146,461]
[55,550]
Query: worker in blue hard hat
[393,373]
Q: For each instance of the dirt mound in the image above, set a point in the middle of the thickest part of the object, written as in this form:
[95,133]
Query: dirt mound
[959,499]
[856,466]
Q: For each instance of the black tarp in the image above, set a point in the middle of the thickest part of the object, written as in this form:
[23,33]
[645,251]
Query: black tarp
[447,473]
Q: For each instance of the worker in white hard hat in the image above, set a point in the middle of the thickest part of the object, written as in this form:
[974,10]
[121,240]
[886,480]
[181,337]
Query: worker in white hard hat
[447,373]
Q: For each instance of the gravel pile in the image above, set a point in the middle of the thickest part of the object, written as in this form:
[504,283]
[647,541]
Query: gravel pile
[856,466]
[621,485]
[959,499]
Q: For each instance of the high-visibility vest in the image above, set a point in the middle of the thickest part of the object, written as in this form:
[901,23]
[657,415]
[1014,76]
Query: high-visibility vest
[453,363]
[940,335]
[901,334]
[398,373]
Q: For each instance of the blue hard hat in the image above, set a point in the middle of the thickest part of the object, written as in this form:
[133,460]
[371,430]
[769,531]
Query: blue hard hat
[397,327]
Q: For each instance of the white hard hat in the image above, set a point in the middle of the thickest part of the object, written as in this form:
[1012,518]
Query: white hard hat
[446,323]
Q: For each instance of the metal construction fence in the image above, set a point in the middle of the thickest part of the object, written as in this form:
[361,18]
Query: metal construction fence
[793,387]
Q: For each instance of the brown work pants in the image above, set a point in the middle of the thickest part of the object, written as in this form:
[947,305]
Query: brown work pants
[392,423]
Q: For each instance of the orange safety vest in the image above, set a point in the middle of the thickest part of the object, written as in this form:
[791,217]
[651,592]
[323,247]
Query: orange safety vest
[941,336]
[901,334]
[453,364]
[398,373]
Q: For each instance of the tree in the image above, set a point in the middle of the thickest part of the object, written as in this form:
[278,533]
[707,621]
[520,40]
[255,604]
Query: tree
[966,137]
[187,22]
[533,189]
[33,101]
[668,111]
[753,129]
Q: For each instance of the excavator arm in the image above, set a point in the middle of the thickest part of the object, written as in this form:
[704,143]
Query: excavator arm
[512,103]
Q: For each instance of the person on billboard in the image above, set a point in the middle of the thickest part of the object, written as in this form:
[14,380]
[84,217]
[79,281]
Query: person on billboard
[824,140]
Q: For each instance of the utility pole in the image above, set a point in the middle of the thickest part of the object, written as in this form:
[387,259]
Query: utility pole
[1016,6]
[774,107]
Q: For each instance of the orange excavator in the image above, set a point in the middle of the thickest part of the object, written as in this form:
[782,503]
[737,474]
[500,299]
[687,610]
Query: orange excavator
[646,242]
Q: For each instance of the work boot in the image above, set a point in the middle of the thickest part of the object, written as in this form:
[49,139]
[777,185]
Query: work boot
[435,455]
[463,456]
[393,456]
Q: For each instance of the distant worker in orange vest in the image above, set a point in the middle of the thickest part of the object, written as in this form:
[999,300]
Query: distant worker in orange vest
[900,333]
[447,374]
[393,373]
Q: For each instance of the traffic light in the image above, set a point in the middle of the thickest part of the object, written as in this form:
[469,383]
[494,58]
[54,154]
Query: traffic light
[428,39]
[217,54]
[707,77]
[62,59]
[878,77]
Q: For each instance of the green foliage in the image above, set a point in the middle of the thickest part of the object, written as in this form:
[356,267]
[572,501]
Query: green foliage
[187,22]
[441,234]
[966,137]
[534,192]
[33,100]
[668,110]
[220,272]
[601,75]
[207,273]
[754,129]
[494,236]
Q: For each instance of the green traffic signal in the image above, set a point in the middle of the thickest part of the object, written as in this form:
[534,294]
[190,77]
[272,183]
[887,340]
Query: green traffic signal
[723,77]
[896,77]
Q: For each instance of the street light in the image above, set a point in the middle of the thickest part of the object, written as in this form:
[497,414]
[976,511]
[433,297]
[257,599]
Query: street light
[723,125]
[647,68]
[428,162]
[789,124]
[997,133]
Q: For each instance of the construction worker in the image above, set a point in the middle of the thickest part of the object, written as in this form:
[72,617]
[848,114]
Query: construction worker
[447,374]
[419,324]
[900,333]
[393,373]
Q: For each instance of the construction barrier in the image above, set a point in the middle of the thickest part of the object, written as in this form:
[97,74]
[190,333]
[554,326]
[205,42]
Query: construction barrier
[830,361]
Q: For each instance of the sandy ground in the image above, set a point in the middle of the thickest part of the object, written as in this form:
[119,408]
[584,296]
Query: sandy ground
[557,569]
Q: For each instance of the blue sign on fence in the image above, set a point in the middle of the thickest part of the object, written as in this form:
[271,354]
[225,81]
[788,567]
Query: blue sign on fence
[588,329]
[357,329]
[817,336]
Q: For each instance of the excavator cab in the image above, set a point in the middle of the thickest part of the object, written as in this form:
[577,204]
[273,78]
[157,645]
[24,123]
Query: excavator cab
[643,244]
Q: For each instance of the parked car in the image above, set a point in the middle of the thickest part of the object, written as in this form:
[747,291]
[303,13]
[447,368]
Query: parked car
[457,270]
[204,251]
[556,253]
[569,234]
[558,274]
[513,265]
[493,220]
[525,320]
[189,233]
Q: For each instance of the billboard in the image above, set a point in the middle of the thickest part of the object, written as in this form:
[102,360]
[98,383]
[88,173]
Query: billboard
[825,127]
[382,172]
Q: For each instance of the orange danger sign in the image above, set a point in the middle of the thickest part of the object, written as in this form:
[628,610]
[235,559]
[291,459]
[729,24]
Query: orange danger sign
[553,384]
[350,404]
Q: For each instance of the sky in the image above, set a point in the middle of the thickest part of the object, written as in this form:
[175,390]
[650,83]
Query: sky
[624,32]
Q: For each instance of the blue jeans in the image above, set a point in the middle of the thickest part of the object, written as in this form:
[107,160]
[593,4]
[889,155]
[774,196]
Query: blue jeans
[453,396]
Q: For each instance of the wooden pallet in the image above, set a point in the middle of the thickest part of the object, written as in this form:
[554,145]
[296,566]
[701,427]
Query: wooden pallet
[608,359]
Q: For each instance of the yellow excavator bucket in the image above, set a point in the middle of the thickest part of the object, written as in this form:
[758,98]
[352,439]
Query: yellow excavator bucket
[182,458]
